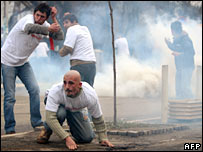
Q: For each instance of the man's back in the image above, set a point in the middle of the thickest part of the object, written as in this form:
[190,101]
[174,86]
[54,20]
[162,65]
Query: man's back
[122,46]
[184,45]
[78,37]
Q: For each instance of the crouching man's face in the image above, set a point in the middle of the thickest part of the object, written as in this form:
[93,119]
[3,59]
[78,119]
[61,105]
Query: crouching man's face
[72,83]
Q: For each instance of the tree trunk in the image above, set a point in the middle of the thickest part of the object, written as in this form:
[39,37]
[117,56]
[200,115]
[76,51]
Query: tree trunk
[114,63]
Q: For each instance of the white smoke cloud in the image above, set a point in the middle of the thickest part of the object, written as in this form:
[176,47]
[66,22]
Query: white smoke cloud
[133,79]
[136,79]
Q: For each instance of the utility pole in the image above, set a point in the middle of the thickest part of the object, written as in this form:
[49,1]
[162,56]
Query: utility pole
[114,63]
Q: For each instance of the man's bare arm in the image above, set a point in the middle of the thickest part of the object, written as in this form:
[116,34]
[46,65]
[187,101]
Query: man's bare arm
[65,50]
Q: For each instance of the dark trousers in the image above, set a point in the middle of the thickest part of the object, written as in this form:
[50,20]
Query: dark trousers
[87,72]
[183,83]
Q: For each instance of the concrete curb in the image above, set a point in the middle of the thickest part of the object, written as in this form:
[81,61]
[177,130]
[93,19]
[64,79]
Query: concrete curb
[147,132]
[123,133]
[16,134]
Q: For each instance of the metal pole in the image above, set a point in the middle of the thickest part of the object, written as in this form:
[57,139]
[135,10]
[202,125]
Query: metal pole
[164,98]
[199,82]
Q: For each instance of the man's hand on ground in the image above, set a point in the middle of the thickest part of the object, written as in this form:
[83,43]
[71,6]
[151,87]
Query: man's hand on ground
[106,143]
[70,143]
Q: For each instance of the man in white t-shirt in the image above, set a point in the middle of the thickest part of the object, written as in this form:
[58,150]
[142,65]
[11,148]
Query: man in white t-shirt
[70,100]
[19,45]
[78,43]
[121,44]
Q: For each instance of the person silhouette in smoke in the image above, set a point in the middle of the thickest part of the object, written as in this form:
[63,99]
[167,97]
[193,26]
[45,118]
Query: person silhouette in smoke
[121,44]
[183,52]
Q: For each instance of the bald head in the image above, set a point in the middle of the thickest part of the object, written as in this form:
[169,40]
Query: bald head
[74,74]
[72,83]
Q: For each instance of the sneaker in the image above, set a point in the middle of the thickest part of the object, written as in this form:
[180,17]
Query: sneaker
[43,137]
[39,127]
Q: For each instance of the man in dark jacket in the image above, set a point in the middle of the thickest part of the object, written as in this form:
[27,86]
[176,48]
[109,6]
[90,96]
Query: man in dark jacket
[183,52]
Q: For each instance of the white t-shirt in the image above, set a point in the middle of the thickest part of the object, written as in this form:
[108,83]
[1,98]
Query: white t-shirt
[79,39]
[86,99]
[121,44]
[19,45]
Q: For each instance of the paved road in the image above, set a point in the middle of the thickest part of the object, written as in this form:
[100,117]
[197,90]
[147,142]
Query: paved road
[128,109]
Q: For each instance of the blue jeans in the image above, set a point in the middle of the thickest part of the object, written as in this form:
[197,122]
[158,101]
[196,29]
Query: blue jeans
[26,75]
[78,122]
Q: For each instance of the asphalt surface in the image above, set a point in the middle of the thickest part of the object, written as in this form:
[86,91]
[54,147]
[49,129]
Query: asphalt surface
[148,133]
[128,109]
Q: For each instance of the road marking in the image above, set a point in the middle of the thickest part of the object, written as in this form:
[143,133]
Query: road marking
[141,120]
[16,134]
[23,133]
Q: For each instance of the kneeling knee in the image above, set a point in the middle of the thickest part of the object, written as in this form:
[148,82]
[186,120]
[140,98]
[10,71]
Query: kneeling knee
[61,114]
[86,139]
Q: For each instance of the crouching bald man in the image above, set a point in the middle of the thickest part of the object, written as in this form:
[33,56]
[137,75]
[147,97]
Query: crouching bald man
[70,100]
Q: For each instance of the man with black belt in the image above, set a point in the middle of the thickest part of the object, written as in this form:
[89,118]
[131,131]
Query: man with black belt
[78,43]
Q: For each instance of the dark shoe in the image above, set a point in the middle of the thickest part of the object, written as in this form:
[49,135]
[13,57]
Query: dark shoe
[43,137]
[10,132]
[39,127]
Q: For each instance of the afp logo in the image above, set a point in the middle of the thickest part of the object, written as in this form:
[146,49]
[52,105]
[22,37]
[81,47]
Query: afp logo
[191,146]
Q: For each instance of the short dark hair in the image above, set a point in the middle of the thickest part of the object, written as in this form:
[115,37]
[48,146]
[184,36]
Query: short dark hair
[71,18]
[176,27]
[43,7]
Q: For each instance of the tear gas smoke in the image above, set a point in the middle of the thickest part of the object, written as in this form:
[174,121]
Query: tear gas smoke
[137,78]
[141,79]
[140,74]
[133,79]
